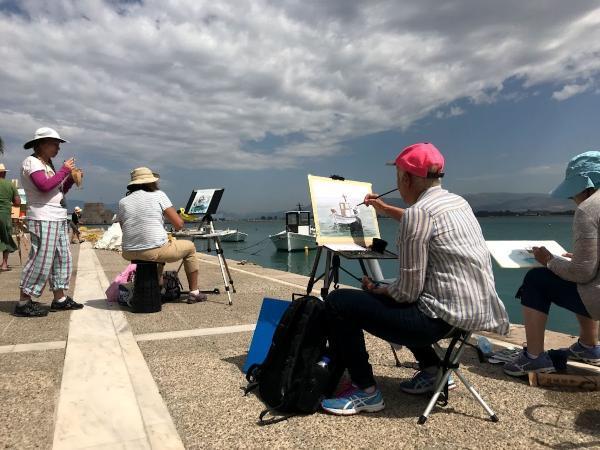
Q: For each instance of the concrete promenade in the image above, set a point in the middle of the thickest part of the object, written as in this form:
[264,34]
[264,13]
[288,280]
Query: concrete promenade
[103,377]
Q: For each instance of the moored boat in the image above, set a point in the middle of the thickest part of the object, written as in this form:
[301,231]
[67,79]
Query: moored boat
[298,233]
[233,235]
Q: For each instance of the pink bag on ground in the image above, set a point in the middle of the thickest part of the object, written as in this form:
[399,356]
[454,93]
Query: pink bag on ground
[112,293]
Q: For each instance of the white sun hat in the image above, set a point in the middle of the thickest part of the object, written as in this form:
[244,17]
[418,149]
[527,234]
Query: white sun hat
[43,133]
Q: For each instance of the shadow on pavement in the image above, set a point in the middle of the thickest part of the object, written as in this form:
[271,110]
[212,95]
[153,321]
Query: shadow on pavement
[102,303]
[237,361]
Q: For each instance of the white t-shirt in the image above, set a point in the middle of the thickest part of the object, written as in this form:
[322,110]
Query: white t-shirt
[41,205]
[141,217]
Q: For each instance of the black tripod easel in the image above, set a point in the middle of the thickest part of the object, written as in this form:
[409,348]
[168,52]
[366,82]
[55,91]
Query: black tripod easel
[368,264]
[331,274]
[211,235]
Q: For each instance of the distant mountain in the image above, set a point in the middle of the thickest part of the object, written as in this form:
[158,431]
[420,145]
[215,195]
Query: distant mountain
[504,201]
[499,201]
[493,201]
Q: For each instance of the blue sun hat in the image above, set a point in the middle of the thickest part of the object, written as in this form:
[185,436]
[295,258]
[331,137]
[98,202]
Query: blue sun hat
[583,172]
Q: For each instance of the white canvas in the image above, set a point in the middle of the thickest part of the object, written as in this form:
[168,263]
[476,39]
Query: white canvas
[517,254]
[338,218]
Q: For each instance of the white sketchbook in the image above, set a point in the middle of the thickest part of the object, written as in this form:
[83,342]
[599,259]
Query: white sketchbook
[345,247]
[516,254]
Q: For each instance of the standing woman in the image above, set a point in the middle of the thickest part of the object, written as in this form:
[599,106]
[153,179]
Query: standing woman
[50,256]
[572,283]
[8,198]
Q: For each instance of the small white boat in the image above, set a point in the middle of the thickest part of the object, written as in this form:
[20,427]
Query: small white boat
[227,235]
[298,234]
[233,235]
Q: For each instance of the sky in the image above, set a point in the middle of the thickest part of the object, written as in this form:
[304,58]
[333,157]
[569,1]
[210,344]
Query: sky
[254,95]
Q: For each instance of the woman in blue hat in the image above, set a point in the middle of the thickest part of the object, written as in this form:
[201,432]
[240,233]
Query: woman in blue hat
[572,282]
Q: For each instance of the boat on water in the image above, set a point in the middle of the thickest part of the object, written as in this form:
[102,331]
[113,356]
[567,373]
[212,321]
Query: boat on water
[228,235]
[298,233]
[232,235]
[347,215]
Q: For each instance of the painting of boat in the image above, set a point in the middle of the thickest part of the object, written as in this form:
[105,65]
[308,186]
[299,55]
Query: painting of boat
[340,214]
[346,216]
[298,233]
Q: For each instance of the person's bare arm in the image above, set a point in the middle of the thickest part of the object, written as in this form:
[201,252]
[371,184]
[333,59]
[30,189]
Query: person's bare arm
[174,218]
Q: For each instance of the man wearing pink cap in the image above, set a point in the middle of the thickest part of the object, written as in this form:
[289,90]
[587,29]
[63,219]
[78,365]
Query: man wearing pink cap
[445,280]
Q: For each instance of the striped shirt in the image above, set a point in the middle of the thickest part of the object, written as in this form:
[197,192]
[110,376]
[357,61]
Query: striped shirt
[445,265]
[141,218]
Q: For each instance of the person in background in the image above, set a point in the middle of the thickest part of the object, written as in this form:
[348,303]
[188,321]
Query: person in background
[9,197]
[74,223]
[141,214]
[50,256]
[572,281]
[445,280]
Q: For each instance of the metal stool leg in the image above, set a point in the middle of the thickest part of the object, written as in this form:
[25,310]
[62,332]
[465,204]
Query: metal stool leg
[476,395]
[434,398]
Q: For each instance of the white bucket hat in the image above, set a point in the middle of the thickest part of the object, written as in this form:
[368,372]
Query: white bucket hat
[143,175]
[3,168]
[77,209]
[43,133]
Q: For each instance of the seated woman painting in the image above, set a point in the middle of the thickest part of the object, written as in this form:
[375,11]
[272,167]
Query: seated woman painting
[573,282]
[141,214]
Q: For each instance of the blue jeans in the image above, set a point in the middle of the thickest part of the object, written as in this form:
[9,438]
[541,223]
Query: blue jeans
[541,287]
[350,311]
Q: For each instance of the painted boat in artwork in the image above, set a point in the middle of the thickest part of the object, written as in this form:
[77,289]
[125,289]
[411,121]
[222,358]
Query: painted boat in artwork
[346,216]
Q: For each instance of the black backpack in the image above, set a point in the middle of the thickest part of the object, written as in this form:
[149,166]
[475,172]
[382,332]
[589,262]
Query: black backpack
[171,288]
[290,380]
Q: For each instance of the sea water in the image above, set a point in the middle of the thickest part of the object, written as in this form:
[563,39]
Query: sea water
[259,249]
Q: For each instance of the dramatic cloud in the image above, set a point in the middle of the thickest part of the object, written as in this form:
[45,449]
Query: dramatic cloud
[570,90]
[208,81]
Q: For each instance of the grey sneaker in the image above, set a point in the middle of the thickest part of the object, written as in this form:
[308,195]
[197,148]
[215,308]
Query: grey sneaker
[423,382]
[586,355]
[523,364]
[194,298]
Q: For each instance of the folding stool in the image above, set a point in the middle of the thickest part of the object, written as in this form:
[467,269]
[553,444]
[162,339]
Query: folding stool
[450,362]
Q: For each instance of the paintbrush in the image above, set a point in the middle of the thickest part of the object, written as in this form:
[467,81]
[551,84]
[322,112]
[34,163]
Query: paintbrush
[385,193]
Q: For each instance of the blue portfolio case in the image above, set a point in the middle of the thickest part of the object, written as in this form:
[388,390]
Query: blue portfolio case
[270,314]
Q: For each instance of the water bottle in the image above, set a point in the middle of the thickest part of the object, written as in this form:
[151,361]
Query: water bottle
[484,345]
[324,362]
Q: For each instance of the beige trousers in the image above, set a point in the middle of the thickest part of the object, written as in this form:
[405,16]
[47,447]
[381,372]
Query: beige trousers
[172,251]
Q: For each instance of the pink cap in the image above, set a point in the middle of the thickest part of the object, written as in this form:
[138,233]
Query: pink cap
[422,160]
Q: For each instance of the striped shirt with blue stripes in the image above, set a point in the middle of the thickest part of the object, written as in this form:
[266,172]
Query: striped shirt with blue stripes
[141,217]
[445,265]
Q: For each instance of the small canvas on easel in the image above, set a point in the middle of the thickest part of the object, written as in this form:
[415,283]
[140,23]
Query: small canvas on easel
[204,201]
[338,218]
